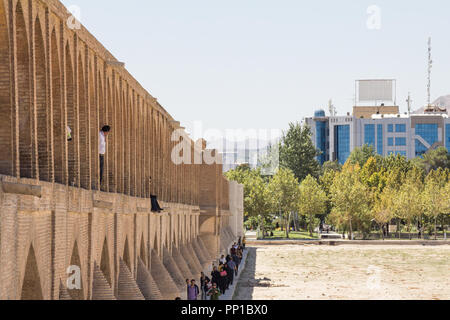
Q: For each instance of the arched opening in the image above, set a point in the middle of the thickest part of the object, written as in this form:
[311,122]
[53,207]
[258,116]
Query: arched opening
[6,108]
[76,294]
[102,120]
[24,96]
[83,132]
[132,142]
[142,253]
[126,144]
[118,133]
[42,111]
[59,135]
[93,118]
[104,263]
[111,139]
[72,122]
[126,254]
[31,287]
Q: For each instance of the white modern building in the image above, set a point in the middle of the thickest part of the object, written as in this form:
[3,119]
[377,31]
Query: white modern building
[408,135]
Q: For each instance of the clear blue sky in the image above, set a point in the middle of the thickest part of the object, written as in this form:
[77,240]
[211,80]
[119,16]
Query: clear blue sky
[264,63]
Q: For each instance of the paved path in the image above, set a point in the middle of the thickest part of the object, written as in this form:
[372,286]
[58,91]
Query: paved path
[230,292]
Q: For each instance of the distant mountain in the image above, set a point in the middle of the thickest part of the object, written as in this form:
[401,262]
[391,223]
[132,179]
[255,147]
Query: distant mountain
[443,101]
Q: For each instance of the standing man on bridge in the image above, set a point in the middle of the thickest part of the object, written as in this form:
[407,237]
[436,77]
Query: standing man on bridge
[102,148]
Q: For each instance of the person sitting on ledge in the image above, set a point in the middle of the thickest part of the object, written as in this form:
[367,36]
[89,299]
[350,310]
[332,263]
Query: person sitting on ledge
[102,148]
[154,199]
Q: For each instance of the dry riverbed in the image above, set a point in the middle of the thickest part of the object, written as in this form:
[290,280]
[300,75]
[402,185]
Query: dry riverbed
[303,272]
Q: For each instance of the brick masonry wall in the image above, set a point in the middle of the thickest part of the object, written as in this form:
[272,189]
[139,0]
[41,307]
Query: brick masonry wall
[52,77]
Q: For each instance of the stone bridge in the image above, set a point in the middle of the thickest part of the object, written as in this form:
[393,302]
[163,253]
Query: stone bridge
[54,213]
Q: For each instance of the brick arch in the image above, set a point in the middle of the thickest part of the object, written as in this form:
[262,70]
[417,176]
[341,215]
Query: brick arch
[124,145]
[94,127]
[76,261]
[143,250]
[59,125]
[83,132]
[105,265]
[111,139]
[72,120]
[42,111]
[102,120]
[24,95]
[126,257]
[132,139]
[6,107]
[118,137]
[207,225]
[31,285]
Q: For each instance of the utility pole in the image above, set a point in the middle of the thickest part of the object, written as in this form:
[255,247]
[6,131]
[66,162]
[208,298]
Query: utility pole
[430,66]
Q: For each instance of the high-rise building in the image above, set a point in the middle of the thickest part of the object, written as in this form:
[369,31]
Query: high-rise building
[408,135]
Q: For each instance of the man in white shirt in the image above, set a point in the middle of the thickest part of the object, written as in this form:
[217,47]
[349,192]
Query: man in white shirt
[102,148]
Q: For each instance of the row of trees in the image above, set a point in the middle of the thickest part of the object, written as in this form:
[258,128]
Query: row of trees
[368,193]
[280,196]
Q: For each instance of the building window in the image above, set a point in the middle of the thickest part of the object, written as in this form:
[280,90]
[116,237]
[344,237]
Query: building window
[369,135]
[429,132]
[342,143]
[390,128]
[400,128]
[321,140]
[420,148]
[380,139]
[400,142]
[390,142]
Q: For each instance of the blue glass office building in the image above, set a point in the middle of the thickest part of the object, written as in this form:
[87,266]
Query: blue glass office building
[406,135]
[342,143]
[321,135]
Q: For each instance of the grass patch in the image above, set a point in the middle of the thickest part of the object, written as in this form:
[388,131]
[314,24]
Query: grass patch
[293,235]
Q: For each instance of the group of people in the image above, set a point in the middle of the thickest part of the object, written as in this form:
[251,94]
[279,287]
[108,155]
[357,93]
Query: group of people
[222,276]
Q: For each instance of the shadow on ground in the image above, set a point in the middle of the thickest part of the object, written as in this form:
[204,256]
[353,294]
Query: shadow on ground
[248,282]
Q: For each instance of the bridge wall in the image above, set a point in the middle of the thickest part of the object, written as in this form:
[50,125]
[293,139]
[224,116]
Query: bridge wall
[54,212]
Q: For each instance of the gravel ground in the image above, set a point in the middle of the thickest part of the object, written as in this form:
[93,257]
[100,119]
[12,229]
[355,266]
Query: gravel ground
[367,272]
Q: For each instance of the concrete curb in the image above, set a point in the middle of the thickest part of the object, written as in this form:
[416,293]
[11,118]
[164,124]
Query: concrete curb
[348,242]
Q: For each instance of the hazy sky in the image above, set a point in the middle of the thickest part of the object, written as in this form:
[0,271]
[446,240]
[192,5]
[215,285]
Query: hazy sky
[264,63]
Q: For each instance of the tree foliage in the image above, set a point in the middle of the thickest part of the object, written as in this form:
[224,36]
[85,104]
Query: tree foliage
[284,192]
[298,153]
[312,201]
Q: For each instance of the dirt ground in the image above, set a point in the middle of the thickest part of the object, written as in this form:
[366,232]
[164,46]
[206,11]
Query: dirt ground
[367,272]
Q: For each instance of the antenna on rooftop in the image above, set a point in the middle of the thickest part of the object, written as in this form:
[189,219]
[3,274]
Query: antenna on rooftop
[430,66]
[332,108]
[409,102]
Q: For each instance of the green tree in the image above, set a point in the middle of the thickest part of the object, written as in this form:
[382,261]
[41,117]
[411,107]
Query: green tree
[435,196]
[256,198]
[298,153]
[312,201]
[361,155]
[408,203]
[326,181]
[434,159]
[349,197]
[283,189]
[331,165]
[383,210]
